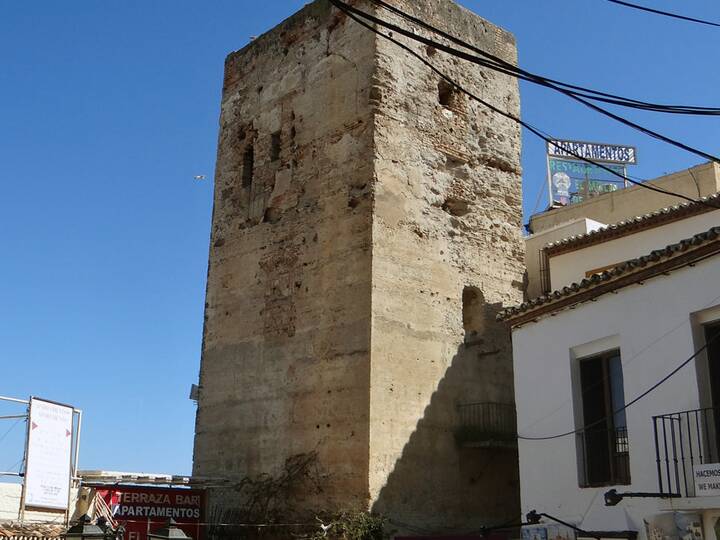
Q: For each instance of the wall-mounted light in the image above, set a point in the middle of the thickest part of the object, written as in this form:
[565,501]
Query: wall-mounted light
[171,530]
[612,497]
[84,529]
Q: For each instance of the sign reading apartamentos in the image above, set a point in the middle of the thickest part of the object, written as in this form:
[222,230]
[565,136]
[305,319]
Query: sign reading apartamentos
[145,509]
[607,153]
[707,480]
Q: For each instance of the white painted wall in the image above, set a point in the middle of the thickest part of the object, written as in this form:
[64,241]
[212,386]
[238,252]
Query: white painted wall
[10,506]
[569,268]
[652,325]
[534,243]
[9,501]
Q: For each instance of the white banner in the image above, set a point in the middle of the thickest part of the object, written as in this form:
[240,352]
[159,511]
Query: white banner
[707,480]
[47,474]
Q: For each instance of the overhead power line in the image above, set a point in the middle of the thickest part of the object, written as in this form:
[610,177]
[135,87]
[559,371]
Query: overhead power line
[537,132]
[589,93]
[348,10]
[627,405]
[13,426]
[664,13]
[625,364]
[500,65]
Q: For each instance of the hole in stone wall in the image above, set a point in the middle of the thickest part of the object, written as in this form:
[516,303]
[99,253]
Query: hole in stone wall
[248,166]
[472,306]
[272,215]
[275,145]
[448,95]
[456,207]
[445,93]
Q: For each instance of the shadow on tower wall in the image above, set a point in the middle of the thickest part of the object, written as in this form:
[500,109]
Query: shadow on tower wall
[440,485]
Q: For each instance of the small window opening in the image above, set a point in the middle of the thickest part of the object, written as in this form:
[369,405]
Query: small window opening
[275,145]
[248,165]
[472,311]
[447,94]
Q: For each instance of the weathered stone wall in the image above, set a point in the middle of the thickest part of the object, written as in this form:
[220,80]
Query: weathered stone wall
[366,230]
[447,220]
[285,365]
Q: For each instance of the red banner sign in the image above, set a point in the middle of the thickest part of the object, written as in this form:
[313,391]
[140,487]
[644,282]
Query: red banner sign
[143,510]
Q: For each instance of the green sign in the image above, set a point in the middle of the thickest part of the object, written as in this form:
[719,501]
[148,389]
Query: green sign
[576,181]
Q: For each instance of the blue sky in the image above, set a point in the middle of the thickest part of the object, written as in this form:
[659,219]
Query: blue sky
[108,110]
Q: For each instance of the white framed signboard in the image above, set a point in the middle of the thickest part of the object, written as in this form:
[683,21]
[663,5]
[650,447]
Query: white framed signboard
[49,452]
[707,480]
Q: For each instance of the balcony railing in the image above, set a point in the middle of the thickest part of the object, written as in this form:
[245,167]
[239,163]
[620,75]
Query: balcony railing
[605,456]
[683,440]
[487,425]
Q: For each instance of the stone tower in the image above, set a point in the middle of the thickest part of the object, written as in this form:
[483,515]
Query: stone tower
[366,230]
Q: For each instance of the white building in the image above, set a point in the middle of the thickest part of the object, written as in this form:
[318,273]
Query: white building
[616,207]
[624,306]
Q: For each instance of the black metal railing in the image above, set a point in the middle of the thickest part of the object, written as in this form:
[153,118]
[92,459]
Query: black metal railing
[487,424]
[683,440]
[605,456]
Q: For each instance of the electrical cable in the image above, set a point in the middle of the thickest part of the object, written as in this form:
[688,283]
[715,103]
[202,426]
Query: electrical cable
[627,405]
[412,528]
[537,78]
[582,532]
[339,4]
[664,13]
[504,526]
[211,524]
[539,197]
[18,463]
[10,429]
[475,60]
[625,364]
[536,131]
[526,75]
[589,507]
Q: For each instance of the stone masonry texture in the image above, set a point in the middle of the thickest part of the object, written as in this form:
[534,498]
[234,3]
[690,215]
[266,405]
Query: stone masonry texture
[366,230]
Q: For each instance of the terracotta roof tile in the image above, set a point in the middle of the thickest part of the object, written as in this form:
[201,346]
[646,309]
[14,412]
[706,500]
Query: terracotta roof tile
[29,531]
[658,217]
[628,267]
